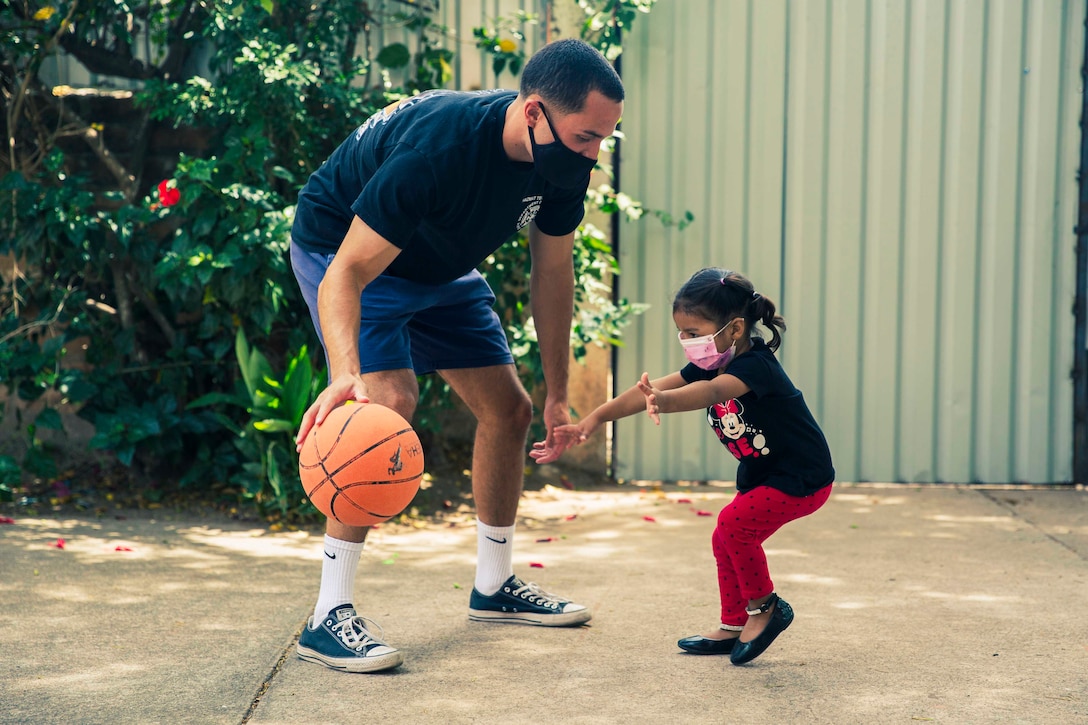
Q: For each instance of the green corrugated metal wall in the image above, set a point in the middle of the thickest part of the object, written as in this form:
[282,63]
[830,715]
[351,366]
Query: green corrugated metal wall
[901,178]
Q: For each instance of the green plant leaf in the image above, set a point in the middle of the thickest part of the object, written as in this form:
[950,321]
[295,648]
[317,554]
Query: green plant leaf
[274,425]
[10,471]
[49,418]
[214,399]
[253,364]
[298,387]
[394,55]
[39,463]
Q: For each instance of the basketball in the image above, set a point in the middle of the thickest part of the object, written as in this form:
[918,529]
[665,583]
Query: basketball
[362,465]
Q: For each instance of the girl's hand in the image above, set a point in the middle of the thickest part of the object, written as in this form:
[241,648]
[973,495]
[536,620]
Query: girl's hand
[653,406]
[562,438]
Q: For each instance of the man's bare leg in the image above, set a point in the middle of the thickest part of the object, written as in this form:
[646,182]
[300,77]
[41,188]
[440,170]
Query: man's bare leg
[503,413]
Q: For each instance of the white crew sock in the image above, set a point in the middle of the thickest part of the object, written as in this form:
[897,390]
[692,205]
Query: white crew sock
[494,556]
[341,560]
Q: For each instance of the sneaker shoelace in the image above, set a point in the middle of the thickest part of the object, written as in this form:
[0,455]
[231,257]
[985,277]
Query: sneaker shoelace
[536,595]
[354,632]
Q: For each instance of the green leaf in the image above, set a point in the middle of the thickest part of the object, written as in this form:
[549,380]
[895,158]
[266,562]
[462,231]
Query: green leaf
[49,418]
[275,479]
[10,471]
[395,55]
[297,386]
[75,388]
[268,6]
[253,364]
[213,399]
[39,463]
[274,425]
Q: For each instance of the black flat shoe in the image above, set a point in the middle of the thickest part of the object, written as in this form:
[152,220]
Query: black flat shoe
[781,618]
[700,645]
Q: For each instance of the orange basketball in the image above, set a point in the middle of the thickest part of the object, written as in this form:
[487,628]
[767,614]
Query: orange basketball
[362,465]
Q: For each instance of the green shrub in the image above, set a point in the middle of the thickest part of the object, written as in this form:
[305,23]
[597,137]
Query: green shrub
[161,269]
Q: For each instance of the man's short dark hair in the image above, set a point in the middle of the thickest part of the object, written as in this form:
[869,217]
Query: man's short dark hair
[563,73]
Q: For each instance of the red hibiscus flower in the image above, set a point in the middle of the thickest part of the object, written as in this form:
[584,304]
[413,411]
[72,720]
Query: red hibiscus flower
[169,194]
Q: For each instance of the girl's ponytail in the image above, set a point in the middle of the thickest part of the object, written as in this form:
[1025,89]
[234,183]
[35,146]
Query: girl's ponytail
[762,309]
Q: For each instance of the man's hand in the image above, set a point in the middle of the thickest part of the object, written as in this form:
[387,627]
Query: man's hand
[562,437]
[556,417]
[346,387]
[556,413]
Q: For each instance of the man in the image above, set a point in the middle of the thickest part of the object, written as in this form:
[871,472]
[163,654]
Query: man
[385,244]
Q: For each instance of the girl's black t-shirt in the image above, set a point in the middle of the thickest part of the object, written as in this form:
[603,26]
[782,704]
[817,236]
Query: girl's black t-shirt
[431,176]
[769,429]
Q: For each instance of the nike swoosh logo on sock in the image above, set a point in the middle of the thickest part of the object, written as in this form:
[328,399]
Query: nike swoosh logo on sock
[331,556]
[495,540]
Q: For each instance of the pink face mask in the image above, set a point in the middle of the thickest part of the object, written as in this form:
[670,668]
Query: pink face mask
[702,352]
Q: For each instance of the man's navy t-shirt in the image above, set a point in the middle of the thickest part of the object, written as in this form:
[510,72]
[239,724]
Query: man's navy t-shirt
[769,429]
[431,176]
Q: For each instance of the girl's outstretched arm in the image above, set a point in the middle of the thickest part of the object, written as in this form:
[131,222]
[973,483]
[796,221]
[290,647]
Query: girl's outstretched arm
[629,402]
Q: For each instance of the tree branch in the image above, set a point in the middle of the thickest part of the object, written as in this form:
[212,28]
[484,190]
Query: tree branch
[106,61]
[155,311]
[125,179]
[47,323]
[120,289]
[124,305]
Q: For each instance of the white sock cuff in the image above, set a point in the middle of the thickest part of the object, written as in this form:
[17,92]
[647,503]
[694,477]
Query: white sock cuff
[339,546]
[495,532]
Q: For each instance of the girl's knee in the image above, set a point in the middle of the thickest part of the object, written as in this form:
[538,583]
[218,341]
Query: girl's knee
[729,523]
[732,532]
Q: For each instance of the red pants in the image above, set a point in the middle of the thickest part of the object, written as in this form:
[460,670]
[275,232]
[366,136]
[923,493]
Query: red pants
[743,525]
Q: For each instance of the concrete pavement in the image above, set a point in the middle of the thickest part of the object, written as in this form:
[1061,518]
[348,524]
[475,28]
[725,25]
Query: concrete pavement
[939,604]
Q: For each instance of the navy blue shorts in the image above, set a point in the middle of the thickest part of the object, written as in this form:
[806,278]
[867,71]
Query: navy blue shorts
[407,325]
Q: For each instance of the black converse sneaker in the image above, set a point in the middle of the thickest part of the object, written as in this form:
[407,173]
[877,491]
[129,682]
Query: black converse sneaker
[342,641]
[524,603]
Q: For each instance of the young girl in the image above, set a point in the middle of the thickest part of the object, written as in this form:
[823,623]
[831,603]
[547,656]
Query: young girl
[785,469]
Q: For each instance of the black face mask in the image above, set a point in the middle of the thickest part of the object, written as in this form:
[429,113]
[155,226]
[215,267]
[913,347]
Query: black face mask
[558,164]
